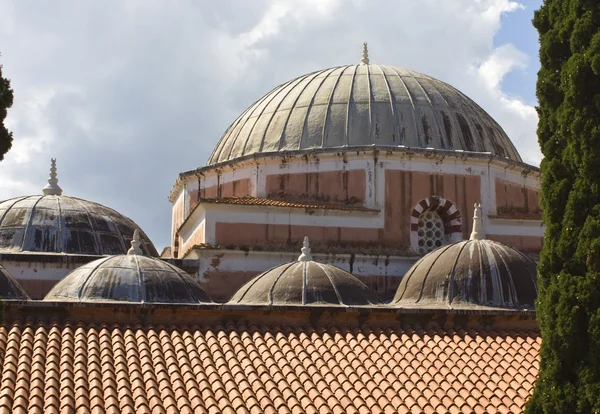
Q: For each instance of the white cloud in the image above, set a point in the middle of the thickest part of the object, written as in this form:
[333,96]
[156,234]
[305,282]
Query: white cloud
[126,94]
[518,119]
[501,61]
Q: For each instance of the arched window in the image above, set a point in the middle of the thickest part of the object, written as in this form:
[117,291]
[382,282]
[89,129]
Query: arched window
[434,222]
[431,231]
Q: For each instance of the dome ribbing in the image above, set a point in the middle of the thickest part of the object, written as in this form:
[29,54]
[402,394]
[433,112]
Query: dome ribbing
[305,282]
[470,273]
[363,105]
[10,288]
[63,224]
[128,278]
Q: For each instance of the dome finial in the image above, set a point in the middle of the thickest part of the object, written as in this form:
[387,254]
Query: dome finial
[305,256]
[477,233]
[365,55]
[135,244]
[52,187]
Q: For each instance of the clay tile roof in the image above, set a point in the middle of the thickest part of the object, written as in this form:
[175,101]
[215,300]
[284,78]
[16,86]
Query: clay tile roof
[244,368]
[254,201]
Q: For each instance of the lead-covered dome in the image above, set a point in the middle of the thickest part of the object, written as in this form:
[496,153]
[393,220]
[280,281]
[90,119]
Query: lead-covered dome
[128,278]
[363,105]
[470,273]
[10,288]
[55,223]
[305,282]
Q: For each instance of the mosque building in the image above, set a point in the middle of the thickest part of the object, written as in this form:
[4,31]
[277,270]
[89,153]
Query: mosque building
[326,259]
[378,165]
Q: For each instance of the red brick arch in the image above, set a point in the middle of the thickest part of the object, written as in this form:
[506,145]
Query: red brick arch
[447,211]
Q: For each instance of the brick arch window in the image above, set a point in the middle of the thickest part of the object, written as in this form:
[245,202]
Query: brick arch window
[434,222]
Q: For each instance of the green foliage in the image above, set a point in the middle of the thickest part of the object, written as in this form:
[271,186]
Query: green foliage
[568,308]
[6,101]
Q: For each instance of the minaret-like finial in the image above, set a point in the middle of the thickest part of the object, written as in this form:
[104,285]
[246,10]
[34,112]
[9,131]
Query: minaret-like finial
[52,187]
[365,55]
[477,233]
[135,244]
[305,256]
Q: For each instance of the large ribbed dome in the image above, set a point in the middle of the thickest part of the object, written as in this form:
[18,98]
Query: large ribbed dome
[305,282]
[363,105]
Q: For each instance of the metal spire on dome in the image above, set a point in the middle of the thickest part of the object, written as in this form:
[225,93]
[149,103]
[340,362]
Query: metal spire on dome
[52,187]
[305,256]
[135,244]
[365,55]
[477,233]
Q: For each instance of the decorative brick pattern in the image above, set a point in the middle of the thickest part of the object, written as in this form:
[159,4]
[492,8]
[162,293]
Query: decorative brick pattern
[241,368]
[448,212]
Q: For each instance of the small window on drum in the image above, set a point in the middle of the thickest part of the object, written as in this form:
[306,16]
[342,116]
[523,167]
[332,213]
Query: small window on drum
[431,231]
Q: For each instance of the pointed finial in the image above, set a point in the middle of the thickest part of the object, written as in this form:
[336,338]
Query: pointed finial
[135,244]
[365,55]
[52,187]
[477,233]
[305,256]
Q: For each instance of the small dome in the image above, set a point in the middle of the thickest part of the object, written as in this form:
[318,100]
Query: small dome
[363,105]
[10,288]
[54,223]
[475,272]
[128,278]
[305,282]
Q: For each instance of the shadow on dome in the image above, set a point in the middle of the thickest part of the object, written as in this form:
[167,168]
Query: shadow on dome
[10,288]
[55,223]
[352,106]
[129,278]
[305,282]
[470,274]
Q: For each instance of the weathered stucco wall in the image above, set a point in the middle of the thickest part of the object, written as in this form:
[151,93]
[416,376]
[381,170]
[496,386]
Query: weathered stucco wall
[234,188]
[405,189]
[390,182]
[346,186]
[194,238]
[526,244]
[221,272]
[38,273]
[516,199]
[177,218]
[263,234]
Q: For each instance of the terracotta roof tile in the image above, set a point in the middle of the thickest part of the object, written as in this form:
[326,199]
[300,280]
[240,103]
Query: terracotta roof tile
[254,201]
[52,367]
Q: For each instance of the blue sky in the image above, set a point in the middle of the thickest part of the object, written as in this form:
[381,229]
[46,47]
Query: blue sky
[517,29]
[126,94]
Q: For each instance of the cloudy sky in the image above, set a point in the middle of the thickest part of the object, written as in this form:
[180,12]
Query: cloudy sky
[128,93]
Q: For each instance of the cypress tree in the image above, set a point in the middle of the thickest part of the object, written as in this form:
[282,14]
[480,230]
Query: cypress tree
[6,101]
[568,308]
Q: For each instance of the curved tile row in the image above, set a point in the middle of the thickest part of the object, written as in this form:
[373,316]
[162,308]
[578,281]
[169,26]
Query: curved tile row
[245,368]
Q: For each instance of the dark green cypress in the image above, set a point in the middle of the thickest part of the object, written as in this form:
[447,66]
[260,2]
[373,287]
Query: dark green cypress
[6,101]
[568,308]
